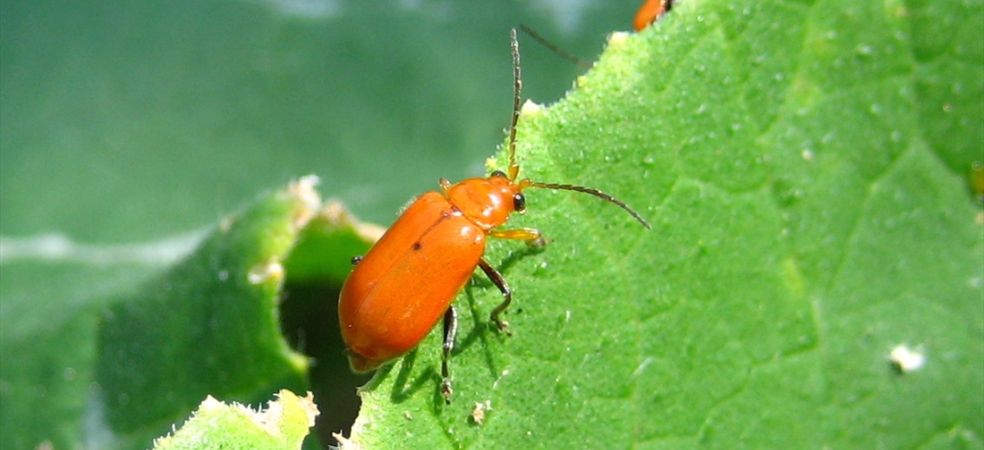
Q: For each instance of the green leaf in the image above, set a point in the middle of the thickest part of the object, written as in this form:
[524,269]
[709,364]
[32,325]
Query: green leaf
[216,425]
[215,312]
[129,130]
[208,325]
[47,347]
[804,167]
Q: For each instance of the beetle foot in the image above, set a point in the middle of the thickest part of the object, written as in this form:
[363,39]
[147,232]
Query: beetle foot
[537,243]
[502,326]
[446,390]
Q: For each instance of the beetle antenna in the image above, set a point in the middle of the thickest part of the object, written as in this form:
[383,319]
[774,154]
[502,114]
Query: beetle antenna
[517,90]
[596,193]
[554,47]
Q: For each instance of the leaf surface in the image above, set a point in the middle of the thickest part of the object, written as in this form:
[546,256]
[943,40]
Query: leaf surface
[215,425]
[810,215]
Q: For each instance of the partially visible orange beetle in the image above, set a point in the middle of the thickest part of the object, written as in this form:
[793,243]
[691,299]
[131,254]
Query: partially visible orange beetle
[649,12]
[398,291]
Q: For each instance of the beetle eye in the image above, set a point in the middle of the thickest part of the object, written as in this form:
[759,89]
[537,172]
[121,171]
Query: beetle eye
[498,173]
[519,203]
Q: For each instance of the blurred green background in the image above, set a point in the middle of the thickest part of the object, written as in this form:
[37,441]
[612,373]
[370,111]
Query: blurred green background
[132,121]
[128,128]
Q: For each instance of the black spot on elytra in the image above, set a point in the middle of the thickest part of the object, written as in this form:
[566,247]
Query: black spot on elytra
[416,246]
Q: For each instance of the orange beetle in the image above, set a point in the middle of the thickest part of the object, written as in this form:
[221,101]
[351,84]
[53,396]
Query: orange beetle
[649,12]
[406,283]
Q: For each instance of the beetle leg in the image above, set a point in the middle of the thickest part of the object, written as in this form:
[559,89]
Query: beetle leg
[531,236]
[450,330]
[500,283]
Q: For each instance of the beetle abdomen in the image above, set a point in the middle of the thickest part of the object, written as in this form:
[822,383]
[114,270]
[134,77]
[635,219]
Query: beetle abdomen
[402,287]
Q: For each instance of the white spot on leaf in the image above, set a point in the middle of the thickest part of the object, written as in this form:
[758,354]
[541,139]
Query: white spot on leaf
[905,359]
[271,271]
[480,410]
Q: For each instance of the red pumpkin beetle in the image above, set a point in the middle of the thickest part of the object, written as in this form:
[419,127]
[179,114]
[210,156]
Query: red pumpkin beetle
[398,291]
